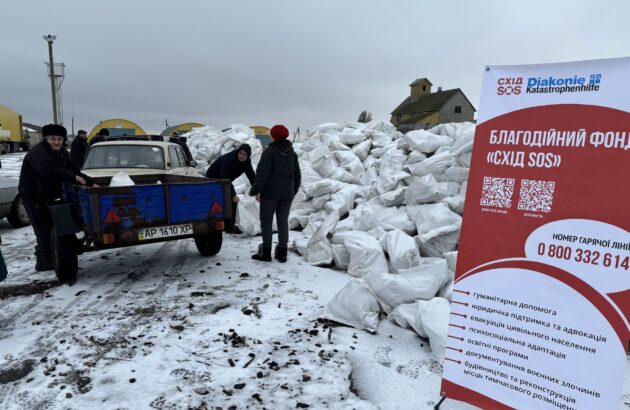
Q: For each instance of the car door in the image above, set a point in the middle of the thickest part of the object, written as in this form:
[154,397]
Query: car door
[176,167]
[190,171]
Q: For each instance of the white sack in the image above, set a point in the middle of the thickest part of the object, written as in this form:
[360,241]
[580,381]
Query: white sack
[379,125]
[309,175]
[248,216]
[320,201]
[436,164]
[322,187]
[327,226]
[351,136]
[439,245]
[350,162]
[426,189]
[414,157]
[455,173]
[362,150]
[395,197]
[122,178]
[342,201]
[429,319]
[386,218]
[406,315]
[395,289]
[434,318]
[354,306]
[433,220]
[319,253]
[366,255]
[401,248]
[426,142]
[451,260]
[417,283]
[341,256]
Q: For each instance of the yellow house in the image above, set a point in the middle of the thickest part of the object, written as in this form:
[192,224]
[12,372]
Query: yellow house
[425,109]
[117,127]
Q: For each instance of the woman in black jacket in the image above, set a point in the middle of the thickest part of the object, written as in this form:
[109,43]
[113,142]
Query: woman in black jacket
[278,178]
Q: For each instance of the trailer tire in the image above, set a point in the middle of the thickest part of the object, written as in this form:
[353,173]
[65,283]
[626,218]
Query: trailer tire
[65,259]
[18,216]
[209,244]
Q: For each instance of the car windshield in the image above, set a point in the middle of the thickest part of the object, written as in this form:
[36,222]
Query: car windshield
[111,155]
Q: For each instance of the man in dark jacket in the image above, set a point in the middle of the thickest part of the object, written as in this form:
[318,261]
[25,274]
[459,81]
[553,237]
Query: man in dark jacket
[44,169]
[101,136]
[78,148]
[278,179]
[231,166]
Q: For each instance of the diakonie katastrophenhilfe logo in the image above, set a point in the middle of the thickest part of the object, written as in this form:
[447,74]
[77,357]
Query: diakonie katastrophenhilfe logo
[548,85]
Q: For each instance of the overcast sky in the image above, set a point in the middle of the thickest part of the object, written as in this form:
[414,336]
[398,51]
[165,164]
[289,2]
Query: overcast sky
[297,62]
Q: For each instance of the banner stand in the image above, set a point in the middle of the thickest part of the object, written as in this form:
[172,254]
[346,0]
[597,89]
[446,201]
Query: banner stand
[437,406]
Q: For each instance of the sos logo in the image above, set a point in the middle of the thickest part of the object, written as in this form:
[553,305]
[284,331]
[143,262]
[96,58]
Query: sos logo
[510,85]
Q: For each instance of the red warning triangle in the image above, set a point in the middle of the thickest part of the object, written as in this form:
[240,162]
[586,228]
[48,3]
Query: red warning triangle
[216,208]
[112,217]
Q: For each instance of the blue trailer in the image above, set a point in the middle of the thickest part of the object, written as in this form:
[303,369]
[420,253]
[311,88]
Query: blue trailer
[157,208]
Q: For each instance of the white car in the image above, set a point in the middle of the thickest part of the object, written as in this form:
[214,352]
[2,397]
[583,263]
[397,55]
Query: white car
[11,206]
[106,159]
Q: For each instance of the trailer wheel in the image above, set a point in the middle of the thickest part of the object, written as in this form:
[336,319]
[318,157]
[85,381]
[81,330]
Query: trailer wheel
[18,216]
[210,244]
[65,257]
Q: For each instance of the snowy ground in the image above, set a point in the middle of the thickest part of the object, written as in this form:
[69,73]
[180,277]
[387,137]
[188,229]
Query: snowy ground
[160,326]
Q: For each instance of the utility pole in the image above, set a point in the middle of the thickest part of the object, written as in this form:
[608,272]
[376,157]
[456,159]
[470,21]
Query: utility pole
[50,39]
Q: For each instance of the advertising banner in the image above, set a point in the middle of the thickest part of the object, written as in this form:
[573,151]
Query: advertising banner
[542,286]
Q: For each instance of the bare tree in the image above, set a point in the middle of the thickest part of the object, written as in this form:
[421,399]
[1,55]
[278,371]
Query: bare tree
[365,117]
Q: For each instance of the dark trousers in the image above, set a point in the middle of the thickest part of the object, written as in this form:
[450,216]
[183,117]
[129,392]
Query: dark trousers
[3,268]
[41,221]
[269,207]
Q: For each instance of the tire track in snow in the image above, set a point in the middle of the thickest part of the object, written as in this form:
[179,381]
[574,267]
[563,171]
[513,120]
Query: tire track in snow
[46,344]
[8,324]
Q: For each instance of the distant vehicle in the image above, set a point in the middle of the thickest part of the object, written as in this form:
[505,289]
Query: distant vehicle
[137,157]
[12,137]
[11,206]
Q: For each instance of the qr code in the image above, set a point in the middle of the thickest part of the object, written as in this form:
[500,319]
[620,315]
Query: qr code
[497,192]
[536,196]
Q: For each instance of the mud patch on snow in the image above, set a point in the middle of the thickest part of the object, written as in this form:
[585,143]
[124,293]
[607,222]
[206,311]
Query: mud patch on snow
[26,289]
[16,371]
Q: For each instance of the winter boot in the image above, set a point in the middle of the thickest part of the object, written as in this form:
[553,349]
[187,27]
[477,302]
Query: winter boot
[43,259]
[281,253]
[44,264]
[264,254]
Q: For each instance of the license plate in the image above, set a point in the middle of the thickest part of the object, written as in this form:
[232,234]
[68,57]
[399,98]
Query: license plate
[165,231]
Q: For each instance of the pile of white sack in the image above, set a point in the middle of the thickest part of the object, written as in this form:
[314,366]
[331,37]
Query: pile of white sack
[384,206]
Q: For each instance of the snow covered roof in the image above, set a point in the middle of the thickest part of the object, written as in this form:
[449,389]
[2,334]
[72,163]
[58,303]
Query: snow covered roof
[32,127]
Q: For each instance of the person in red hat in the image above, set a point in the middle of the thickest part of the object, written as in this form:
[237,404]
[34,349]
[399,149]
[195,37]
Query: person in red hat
[278,179]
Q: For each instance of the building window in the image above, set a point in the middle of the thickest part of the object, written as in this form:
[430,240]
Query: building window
[458,109]
[424,88]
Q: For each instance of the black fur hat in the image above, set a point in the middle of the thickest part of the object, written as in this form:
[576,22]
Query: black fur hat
[54,129]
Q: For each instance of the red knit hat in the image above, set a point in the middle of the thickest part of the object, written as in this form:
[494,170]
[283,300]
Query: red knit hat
[279,132]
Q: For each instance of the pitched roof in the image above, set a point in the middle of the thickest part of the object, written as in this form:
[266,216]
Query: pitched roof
[33,127]
[427,103]
[420,80]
